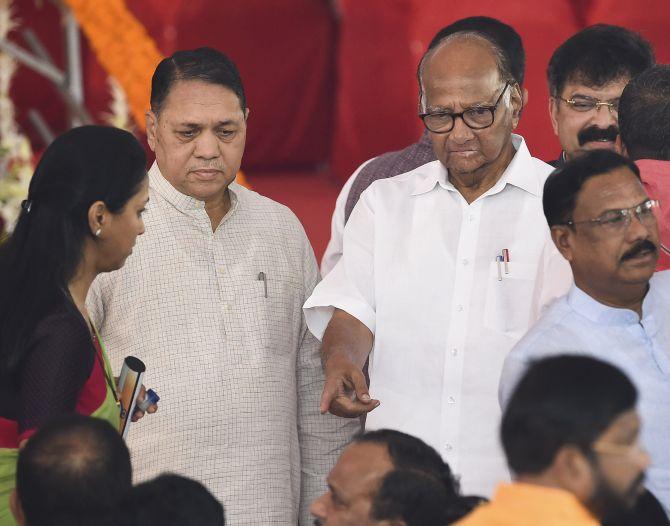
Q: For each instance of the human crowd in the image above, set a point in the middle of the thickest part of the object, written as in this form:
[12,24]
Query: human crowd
[487,341]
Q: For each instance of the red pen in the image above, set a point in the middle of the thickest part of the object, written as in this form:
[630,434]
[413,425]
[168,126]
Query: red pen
[505,256]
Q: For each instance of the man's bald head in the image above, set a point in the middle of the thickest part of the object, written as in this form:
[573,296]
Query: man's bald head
[75,467]
[470,40]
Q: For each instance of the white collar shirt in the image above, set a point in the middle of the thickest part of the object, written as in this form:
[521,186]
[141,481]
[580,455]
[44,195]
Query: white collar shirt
[217,318]
[419,270]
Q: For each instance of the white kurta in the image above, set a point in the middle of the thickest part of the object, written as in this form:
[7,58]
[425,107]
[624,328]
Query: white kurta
[419,269]
[238,373]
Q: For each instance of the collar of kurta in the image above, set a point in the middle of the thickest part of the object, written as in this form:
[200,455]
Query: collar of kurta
[520,172]
[603,314]
[532,500]
[183,202]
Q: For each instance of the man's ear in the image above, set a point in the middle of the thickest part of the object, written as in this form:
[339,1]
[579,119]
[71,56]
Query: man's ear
[16,509]
[516,100]
[620,146]
[246,113]
[553,114]
[562,238]
[573,471]
[152,129]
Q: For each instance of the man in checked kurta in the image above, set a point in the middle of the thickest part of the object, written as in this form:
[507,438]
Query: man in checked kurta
[211,301]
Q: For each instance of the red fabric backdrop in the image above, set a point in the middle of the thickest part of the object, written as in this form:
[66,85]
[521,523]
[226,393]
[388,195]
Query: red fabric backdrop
[342,89]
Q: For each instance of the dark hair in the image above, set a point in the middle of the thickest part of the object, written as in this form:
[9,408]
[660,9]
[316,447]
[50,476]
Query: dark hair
[563,185]
[597,55]
[644,115]
[82,166]
[418,499]
[73,471]
[171,500]
[409,452]
[203,64]
[560,401]
[498,33]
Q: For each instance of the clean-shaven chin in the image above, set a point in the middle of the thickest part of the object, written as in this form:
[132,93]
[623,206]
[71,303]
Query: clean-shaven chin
[206,175]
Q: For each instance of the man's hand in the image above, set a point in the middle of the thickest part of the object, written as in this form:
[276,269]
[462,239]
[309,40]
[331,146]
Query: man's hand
[346,345]
[345,392]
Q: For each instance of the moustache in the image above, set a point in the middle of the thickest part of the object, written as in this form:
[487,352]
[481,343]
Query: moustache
[593,133]
[642,246]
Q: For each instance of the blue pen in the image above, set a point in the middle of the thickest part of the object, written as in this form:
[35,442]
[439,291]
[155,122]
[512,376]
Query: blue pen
[499,259]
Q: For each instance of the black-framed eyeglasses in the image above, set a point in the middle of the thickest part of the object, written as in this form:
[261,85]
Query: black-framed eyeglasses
[583,103]
[619,220]
[476,118]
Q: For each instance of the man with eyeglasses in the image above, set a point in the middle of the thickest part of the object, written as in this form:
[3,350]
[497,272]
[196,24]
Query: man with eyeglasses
[421,152]
[604,224]
[571,435]
[586,76]
[445,267]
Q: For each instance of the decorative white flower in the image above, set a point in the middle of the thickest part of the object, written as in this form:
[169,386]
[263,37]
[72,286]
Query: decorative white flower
[16,155]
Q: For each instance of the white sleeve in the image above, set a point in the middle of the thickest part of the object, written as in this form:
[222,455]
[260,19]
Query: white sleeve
[350,285]
[333,251]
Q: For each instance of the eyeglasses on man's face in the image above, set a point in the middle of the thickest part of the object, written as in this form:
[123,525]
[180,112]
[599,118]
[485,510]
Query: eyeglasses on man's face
[583,104]
[476,118]
[619,220]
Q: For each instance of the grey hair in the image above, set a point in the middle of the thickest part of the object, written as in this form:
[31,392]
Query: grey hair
[504,66]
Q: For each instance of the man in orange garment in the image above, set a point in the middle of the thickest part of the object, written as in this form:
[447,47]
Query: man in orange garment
[571,436]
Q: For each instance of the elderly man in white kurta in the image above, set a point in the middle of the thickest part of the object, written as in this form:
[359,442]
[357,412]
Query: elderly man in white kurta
[211,301]
[444,267]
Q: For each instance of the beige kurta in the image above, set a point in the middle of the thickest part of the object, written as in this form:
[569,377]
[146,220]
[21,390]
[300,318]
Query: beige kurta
[216,317]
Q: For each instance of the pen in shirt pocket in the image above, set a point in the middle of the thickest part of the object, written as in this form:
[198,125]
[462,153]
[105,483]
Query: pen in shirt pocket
[263,278]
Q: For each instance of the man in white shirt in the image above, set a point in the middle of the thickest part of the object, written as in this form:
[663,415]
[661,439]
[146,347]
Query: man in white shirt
[211,301]
[445,267]
[421,152]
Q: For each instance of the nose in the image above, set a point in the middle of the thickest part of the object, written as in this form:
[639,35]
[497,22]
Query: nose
[206,146]
[461,132]
[645,459]
[605,117]
[637,229]
[318,509]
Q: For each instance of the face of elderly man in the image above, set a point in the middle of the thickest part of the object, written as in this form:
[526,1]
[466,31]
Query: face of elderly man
[608,257]
[463,73]
[198,138]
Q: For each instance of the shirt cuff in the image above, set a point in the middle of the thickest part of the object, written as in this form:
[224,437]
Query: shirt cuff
[319,311]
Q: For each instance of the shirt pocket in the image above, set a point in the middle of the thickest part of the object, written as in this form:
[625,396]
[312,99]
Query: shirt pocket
[509,297]
[272,311]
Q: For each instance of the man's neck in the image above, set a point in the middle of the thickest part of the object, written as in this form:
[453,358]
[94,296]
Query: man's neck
[475,184]
[625,297]
[217,208]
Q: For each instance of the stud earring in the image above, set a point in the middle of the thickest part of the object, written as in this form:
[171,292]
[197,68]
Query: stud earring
[98,232]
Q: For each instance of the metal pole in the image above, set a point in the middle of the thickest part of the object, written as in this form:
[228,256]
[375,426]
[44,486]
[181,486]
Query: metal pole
[73,57]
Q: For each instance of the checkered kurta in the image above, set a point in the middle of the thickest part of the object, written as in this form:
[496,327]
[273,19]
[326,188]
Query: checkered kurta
[238,373]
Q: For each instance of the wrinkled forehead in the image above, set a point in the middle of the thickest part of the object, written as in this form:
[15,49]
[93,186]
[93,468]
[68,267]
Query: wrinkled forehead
[360,468]
[613,190]
[199,101]
[462,72]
